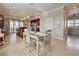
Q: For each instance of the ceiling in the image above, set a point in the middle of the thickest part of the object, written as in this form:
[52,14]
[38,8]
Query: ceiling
[32,9]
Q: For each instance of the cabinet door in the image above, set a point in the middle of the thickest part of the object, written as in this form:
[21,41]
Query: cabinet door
[1,21]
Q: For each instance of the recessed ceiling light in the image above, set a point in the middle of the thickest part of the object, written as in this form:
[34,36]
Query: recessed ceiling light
[13,7]
[74,7]
[24,18]
[28,17]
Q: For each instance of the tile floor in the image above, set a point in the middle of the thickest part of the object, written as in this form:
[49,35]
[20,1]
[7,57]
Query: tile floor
[16,47]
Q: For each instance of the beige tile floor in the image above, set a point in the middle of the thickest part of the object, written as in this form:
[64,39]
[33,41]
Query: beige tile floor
[16,47]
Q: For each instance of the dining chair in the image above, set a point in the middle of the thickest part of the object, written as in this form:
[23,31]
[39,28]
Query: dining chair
[46,42]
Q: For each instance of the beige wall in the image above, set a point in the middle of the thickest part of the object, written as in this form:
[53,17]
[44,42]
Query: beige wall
[53,20]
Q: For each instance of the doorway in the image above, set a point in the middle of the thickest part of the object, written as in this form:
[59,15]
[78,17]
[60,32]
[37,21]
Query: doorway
[72,31]
[14,25]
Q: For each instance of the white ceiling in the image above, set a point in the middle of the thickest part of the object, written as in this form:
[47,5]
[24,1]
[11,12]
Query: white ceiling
[23,9]
[43,7]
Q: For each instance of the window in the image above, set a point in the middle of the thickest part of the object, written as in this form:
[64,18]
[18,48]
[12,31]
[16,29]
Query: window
[76,23]
[70,23]
[73,23]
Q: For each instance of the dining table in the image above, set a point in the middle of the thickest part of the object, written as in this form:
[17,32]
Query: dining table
[36,36]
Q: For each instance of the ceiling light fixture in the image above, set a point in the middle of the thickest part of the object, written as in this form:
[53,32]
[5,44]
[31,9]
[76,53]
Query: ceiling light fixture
[24,18]
[28,17]
[74,7]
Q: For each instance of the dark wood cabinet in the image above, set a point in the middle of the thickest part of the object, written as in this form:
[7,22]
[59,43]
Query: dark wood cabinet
[1,21]
[20,31]
[35,24]
[1,27]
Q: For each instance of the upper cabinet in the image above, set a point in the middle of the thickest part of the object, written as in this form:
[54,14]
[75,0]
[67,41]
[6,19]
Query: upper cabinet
[35,24]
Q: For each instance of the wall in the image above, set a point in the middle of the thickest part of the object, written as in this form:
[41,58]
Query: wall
[53,20]
[7,25]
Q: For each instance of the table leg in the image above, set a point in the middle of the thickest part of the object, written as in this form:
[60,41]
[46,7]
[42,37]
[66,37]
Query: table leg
[3,40]
[38,46]
[44,45]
